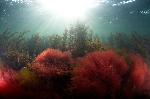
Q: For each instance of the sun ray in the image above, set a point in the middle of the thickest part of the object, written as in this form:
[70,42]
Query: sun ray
[68,8]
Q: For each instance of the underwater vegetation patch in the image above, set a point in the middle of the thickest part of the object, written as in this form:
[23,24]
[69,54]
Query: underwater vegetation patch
[74,65]
[98,75]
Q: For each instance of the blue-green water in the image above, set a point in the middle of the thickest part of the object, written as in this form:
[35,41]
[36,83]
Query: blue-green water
[109,16]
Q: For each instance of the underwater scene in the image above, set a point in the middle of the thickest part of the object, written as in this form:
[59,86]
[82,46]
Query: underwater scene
[74,49]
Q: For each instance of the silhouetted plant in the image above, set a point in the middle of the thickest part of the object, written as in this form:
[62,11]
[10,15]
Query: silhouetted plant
[12,49]
[133,42]
[17,60]
[94,44]
[81,41]
[33,45]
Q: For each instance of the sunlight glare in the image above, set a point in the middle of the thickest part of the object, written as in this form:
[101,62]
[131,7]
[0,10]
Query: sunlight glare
[68,8]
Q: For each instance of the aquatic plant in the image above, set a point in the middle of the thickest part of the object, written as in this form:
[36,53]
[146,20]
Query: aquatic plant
[133,42]
[28,82]
[9,85]
[79,40]
[94,44]
[34,45]
[16,60]
[99,74]
[12,49]
[51,61]
[18,50]
[109,75]
[138,83]
[12,40]
[53,69]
